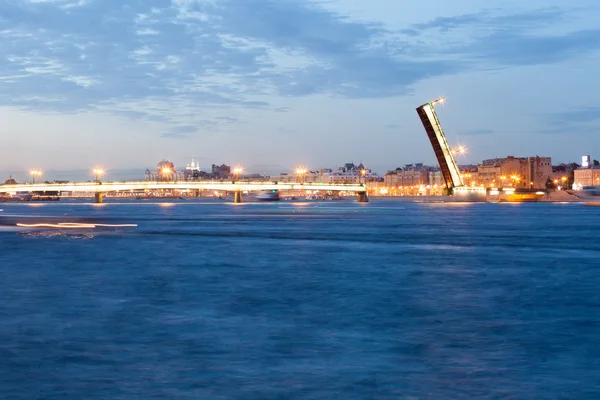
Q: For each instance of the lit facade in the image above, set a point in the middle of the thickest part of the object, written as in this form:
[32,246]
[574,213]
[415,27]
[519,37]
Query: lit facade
[415,179]
[406,178]
[586,177]
[349,173]
[517,172]
[193,173]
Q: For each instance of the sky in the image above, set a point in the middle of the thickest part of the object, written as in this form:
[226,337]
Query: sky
[274,84]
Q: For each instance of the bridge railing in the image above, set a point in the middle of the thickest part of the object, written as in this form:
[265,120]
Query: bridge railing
[200,185]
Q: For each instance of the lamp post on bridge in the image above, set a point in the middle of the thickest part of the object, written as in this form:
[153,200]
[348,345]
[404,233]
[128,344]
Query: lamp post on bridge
[35,173]
[98,172]
[237,172]
[237,195]
[166,173]
[301,172]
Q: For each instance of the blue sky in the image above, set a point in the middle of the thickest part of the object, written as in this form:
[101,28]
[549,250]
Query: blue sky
[272,84]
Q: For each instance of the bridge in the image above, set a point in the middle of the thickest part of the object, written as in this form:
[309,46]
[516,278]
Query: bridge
[445,155]
[100,188]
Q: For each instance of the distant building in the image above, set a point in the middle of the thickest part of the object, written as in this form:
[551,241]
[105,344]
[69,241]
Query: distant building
[411,175]
[526,172]
[220,171]
[307,177]
[192,172]
[255,177]
[586,175]
[193,166]
[350,173]
[436,179]
[518,172]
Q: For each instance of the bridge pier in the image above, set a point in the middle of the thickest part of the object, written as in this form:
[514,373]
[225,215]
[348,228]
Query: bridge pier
[363,197]
[98,198]
[237,196]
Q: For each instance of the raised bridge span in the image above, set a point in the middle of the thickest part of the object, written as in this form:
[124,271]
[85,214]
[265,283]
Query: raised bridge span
[237,187]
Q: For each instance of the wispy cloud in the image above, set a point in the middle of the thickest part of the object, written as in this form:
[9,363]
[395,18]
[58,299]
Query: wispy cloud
[180,131]
[173,61]
[477,132]
[580,121]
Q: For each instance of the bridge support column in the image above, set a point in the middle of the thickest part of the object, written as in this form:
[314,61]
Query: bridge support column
[237,196]
[98,198]
[362,197]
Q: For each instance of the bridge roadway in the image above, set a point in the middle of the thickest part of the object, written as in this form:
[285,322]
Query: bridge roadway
[238,187]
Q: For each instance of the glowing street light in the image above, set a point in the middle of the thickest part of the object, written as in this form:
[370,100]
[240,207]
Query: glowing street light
[237,171]
[461,150]
[98,172]
[35,173]
[166,172]
[363,172]
[301,172]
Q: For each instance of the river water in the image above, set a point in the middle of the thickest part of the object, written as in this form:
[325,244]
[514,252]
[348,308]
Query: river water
[319,300]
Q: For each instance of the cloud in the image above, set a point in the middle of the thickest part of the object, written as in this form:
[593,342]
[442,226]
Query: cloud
[477,132]
[510,48]
[582,121]
[496,38]
[180,132]
[228,119]
[582,115]
[188,62]
[492,19]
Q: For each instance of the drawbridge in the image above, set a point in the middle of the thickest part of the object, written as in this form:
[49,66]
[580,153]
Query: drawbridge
[444,154]
[442,150]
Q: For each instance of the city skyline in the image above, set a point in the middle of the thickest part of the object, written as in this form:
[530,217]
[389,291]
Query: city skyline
[120,174]
[275,84]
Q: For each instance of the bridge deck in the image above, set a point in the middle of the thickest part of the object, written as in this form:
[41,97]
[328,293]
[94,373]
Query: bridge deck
[104,187]
[442,150]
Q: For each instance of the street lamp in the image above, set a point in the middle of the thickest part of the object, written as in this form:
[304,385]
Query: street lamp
[301,172]
[98,172]
[35,173]
[363,172]
[461,150]
[237,171]
[166,172]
